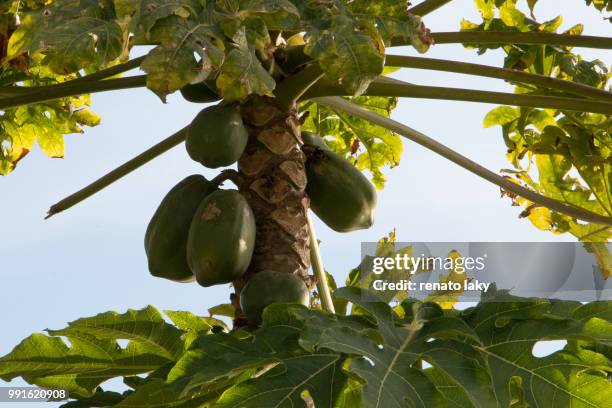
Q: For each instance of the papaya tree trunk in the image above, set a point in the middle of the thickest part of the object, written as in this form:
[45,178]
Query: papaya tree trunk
[273,180]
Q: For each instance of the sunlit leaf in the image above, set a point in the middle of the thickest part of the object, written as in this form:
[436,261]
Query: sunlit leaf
[71,35]
[93,355]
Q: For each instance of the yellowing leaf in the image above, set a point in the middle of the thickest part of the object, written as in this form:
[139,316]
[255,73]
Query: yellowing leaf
[350,58]
[52,144]
[501,115]
[242,73]
[603,257]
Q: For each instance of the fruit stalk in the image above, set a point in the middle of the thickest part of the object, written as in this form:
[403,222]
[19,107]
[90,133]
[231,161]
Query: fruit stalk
[273,180]
[319,270]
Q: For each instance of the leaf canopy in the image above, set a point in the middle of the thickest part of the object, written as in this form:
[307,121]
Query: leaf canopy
[416,354]
[228,42]
[560,154]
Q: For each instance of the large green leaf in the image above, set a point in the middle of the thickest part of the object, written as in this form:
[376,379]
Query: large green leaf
[93,354]
[386,361]
[414,354]
[173,64]
[270,369]
[146,329]
[575,376]
[320,374]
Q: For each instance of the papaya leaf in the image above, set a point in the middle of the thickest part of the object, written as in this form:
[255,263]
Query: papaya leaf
[145,328]
[479,357]
[156,394]
[127,10]
[242,73]
[277,14]
[575,376]
[501,115]
[71,35]
[456,397]
[173,64]
[193,326]
[151,11]
[602,257]
[349,57]
[393,21]
[45,124]
[559,154]
[49,362]
[225,309]
[267,368]
[600,4]
[228,42]
[93,354]
[318,373]
[448,298]
[388,365]
[365,277]
[101,398]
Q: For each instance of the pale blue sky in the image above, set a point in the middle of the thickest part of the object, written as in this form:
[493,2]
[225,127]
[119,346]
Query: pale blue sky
[90,259]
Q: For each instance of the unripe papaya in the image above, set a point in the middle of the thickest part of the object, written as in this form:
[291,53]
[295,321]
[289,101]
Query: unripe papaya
[203,92]
[217,136]
[312,139]
[221,238]
[267,287]
[166,236]
[340,195]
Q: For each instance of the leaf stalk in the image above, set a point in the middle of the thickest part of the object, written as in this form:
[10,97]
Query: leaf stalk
[449,154]
[118,173]
[427,6]
[47,93]
[293,88]
[384,86]
[527,38]
[499,73]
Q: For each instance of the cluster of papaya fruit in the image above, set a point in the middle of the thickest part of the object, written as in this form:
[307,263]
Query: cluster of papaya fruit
[203,233]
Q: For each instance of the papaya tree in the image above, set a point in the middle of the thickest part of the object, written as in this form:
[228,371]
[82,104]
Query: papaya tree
[299,99]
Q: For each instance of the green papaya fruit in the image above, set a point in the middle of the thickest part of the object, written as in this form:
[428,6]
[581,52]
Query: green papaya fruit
[203,92]
[221,238]
[217,136]
[166,235]
[312,139]
[340,195]
[267,287]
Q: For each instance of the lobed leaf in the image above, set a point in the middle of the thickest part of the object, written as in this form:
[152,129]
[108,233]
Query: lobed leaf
[574,376]
[93,354]
[71,35]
